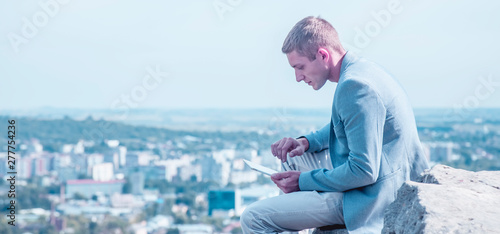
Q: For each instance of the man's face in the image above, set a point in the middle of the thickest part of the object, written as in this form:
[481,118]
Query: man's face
[314,73]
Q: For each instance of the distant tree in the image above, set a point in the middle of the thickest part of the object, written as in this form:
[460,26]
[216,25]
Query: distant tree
[32,197]
[112,224]
[78,223]
[52,147]
[83,177]
[93,227]
[173,231]
[230,185]
[187,198]
[46,227]
[150,210]
[53,189]
[237,230]
[79,196]
[214,221]
[162,185]
[181,218]
[5,228]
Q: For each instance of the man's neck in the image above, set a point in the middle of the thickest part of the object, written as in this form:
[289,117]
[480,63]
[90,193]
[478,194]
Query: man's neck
[336,65]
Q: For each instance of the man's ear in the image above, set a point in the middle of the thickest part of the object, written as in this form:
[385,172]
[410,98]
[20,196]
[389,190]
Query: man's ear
[324,54]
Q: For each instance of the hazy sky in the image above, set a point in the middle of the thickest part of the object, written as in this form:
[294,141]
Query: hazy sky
[227,53]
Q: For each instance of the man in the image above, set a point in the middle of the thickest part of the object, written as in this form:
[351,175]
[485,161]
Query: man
[371,138]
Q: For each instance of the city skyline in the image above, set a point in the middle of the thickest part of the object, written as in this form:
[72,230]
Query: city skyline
[94,174]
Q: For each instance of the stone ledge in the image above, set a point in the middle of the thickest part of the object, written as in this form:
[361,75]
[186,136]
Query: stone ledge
[447,200]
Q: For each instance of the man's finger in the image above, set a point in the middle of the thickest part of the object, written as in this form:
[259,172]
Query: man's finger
[274,148]
[279,182]
[279,175]
[282,184]
[285,149]
[279,149]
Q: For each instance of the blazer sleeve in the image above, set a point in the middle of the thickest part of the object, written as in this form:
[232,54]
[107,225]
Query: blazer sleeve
[318,140]
[362,113]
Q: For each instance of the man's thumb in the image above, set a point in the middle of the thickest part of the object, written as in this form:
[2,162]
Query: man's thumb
[278,176]
[295,152]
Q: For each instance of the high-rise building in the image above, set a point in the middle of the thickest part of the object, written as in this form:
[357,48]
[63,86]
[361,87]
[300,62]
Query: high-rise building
[439,151]
[225,200]
[137,182]
[102,172]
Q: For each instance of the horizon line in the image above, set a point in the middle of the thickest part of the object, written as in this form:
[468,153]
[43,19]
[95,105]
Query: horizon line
[202,108]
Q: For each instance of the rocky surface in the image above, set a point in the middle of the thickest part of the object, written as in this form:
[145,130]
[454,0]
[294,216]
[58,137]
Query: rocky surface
[447,200]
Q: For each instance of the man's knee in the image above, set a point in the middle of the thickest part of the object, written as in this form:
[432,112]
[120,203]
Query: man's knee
[254,220]
[248,218]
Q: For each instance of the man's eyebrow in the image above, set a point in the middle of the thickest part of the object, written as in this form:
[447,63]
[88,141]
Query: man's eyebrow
[295,65]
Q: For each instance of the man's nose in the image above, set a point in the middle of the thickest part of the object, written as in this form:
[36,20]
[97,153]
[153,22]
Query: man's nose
[298,77]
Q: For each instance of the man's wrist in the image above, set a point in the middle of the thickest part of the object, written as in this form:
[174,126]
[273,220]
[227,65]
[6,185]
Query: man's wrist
[304,142]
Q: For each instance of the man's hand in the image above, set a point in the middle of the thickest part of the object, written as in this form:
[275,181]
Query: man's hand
[287,181]
[288,144]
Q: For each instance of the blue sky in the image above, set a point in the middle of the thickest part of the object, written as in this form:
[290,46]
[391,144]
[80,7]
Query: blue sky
[227,53]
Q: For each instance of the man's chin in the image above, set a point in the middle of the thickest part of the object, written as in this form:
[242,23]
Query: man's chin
[317,88]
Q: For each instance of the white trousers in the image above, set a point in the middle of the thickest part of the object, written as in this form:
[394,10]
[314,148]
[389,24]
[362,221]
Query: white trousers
[298,210]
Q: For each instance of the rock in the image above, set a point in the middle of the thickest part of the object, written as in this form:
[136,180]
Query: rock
[447,200]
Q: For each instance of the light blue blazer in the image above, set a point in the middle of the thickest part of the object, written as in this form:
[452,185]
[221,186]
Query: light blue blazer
[373,143]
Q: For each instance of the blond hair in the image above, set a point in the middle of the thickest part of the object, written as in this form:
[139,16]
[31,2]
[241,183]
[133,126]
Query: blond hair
[308,35]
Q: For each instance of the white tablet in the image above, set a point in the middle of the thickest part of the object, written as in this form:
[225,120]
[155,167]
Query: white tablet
[260,168]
